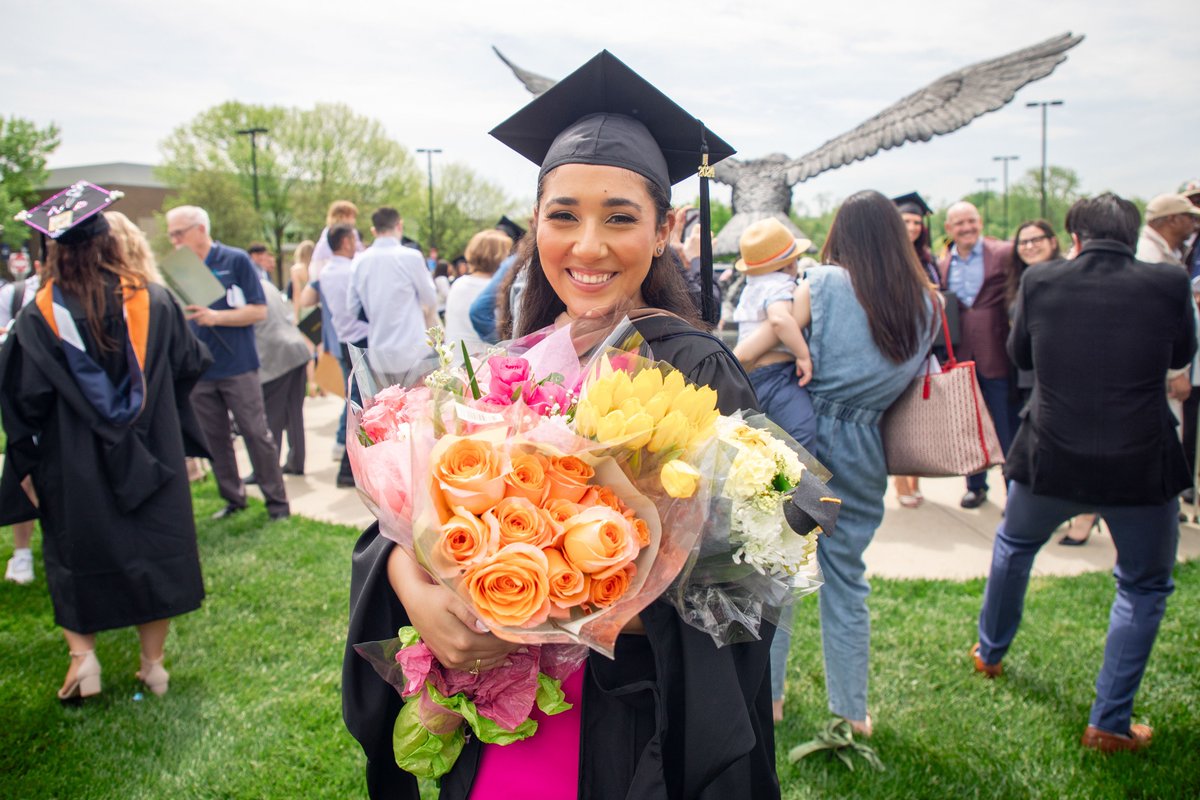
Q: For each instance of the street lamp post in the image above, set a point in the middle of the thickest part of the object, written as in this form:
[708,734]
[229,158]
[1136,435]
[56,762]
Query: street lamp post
[253,133]
[1044,105]
[987,198]
[429,153]
[1005,159]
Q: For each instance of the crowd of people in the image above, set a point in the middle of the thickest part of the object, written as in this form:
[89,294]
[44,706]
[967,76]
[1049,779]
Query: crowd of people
[1089,413]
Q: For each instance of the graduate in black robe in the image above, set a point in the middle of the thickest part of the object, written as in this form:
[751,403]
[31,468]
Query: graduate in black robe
[104,449]
[672,715]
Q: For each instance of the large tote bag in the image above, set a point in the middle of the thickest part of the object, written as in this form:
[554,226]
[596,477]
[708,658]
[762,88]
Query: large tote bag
[940,426]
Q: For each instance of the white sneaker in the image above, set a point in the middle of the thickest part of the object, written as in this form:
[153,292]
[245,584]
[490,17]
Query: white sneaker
[20,567]
[338,450]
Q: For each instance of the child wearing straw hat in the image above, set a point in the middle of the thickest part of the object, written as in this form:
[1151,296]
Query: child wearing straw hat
[769,254]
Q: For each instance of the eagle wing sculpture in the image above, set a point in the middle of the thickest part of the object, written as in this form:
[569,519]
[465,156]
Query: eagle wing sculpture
[762,187]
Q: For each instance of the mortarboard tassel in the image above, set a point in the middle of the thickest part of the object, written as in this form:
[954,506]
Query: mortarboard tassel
[707,308]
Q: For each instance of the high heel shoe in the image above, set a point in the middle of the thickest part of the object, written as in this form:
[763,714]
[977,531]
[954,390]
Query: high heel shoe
[87,679]
[152,674]
[1068,541]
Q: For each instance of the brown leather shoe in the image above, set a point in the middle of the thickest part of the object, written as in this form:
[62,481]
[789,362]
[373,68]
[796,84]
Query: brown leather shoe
[990,670]
[1138,739]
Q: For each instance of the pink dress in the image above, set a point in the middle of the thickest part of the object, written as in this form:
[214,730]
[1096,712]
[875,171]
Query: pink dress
[546,765]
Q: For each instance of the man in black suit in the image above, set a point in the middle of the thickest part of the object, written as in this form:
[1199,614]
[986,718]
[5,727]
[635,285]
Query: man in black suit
[1098,437]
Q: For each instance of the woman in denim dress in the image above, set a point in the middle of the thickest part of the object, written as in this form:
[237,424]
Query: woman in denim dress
[867,315]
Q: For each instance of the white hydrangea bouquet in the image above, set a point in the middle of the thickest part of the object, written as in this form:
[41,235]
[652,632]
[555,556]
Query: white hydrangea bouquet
[761,479]
[757,553]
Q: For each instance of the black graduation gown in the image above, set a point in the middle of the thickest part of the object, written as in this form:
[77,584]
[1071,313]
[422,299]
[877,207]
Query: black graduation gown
[672,716]
[119,540]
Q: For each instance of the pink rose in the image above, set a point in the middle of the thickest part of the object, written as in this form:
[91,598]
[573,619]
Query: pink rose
[506,375]
[394,397]
[379,422]
[543,398]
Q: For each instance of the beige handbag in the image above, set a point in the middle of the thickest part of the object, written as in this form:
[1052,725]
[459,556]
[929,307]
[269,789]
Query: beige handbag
[940,426]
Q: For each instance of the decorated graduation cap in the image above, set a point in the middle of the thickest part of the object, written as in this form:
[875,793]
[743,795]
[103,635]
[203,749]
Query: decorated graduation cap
[812,506]
[73,215]
[606,114]
[912,203]
[510,228]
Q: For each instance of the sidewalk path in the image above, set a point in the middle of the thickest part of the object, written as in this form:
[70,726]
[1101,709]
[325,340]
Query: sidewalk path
[937,540]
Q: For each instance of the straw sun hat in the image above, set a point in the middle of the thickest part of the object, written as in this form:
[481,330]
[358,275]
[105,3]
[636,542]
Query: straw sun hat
[768,246]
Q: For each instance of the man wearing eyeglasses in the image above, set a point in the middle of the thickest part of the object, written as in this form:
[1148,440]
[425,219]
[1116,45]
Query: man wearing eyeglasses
[976,271]
[231,384]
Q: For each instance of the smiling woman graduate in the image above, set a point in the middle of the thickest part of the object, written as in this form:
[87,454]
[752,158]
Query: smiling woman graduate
[672,715]
[94,384]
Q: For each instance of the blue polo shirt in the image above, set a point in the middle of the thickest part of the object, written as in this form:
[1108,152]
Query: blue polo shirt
[232,347]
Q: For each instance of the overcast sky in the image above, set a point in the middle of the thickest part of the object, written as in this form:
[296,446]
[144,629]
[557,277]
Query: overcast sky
[768,76]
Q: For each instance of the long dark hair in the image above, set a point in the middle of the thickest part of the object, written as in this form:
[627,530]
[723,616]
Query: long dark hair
[80,270]
[869,241]
[1018,266]
[663,286]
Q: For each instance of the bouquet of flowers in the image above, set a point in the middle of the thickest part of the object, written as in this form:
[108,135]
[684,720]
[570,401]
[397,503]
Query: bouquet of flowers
[558,500]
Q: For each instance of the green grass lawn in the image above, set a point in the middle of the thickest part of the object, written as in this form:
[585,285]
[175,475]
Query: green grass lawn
[254,708]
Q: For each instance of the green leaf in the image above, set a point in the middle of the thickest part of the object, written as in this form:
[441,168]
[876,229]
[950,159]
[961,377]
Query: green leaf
[420,751]
[553,377]
[470,370]
[487,730]
[550,697]
[408,636]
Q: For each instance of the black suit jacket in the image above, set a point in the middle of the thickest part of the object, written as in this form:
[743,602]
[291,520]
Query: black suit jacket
[1099,333]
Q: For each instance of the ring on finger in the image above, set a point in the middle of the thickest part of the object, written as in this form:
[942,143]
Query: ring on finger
[475,667]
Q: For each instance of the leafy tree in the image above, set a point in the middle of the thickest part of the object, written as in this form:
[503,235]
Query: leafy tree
[24,148]
[305,160]
[463,205]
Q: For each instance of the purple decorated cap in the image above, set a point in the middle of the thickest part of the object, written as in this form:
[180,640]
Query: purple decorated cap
[73,215]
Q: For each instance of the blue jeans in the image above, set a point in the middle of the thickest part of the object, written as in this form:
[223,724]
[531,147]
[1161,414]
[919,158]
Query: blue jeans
[344,362]
[788,405]
[1005,416]
[1146,538]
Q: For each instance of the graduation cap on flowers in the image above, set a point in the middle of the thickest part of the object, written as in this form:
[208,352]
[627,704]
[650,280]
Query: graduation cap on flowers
[605,113]
[510,228]
[812,506]
[912,203]
[73,215]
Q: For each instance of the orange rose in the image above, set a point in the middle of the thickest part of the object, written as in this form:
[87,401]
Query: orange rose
[511,588]
[526,477]
[568,586]
[465,540]
[568,478]
[642,530]
[599,541]
[468,474]
[609,590]
[521,521]
[560,510]
[603,496]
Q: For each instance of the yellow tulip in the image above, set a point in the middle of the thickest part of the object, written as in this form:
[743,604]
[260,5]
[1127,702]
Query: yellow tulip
[631,406]
[671,432]
[673,384]
[658,406]
[679,478]
[611,427]
[647,384]
[586,419]
[599,394]
[640,427]
[622,388]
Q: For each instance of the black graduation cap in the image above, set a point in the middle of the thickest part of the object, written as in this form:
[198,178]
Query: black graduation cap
[912,203]
[512,229]
[73,215]
[812,505]
[605,113]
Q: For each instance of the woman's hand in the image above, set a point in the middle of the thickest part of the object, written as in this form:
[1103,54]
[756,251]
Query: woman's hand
[446,624]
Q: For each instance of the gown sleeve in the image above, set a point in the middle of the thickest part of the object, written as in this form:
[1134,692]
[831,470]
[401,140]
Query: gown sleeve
[26,398]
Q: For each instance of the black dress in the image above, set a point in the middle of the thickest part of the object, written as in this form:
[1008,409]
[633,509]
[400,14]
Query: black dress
[119,540]
[672,716]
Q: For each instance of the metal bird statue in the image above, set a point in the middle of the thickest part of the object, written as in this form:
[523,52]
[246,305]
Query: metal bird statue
[762,187]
